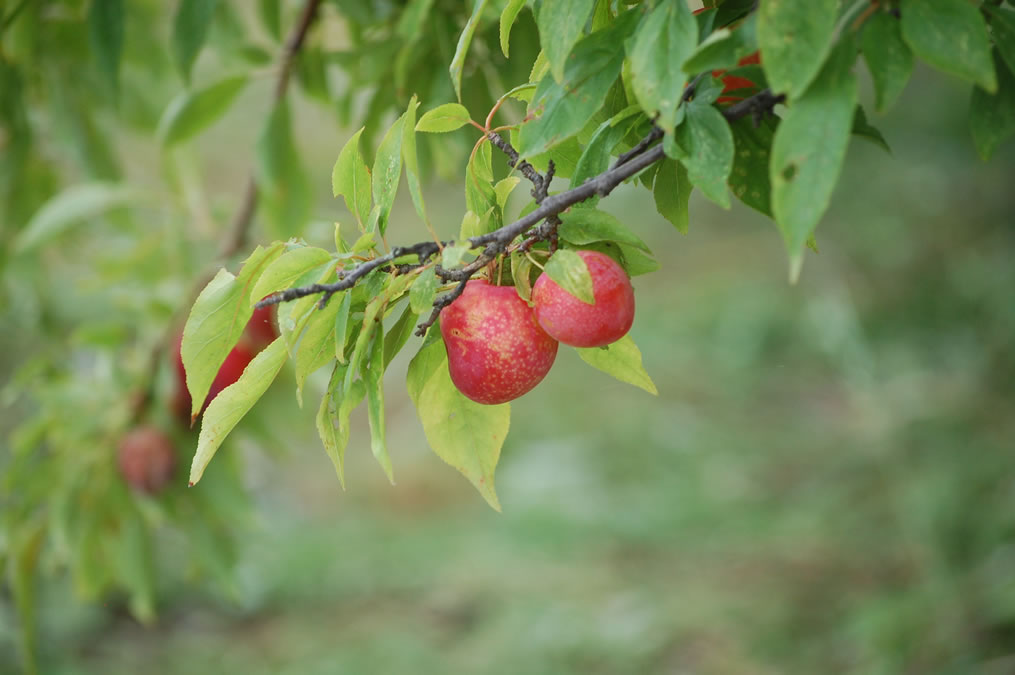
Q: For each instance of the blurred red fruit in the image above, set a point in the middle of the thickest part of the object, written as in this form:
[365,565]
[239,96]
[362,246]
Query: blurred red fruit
[146,459]
[261,330]
[230,371]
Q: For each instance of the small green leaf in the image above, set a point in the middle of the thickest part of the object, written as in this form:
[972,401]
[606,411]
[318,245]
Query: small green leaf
[504,188]
[443,118]
[317,344]
[458,61]
[399,334]
[809,149]
[521,269]
[190,27]
[452,255]
[342,324]
[106,32]
[749,178]
[863,129]
[373,378]
[708,141]
[582,225]
[795,36]
[365,242]
[424,290]
[331,427]
[74,204]
[622,360]
[595,158]
[351,179]
[992,117]
[567,269]
[284,188]
[888,58]
[411,160]
[465,434]
[724,48]
[560,25]
[479,194]
[1002,24]
[671,191]
[270,13]
[507,20]
[387,172]
[233,402]
[287,268]
[665,38]
[950,35]
[191,112]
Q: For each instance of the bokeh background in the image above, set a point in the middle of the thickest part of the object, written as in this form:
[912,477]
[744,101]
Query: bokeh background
[825,482]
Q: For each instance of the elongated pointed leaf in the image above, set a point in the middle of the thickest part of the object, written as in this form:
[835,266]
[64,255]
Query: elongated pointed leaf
[351,179]
[992,116]
[399,334]
[888,57]
[387,172]
[465,434]
[333,430]
[411,160]
[316,346]
[106,22]
[672,191]
[795,36]
[287,268]
[190,27]
[706,137]
[561,24]
[666,37]
[507,20]
[373,378]
[1002,24]
[570,272]
[809,149]
[284,189]
[75,204]
[443,118]
[341,324]
[229,407]
[191,112]
[950,35]
[622,360]
[584,226]
[423,290]
[749,178]
[464,40]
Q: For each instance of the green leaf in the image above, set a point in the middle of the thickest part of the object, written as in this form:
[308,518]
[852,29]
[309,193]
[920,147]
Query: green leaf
[365,242]
[331,426]
[992,116]
[411,160]
[287,268]
[351,179]
[749,179]
[443,118]
[452,255]
[424,290]
[387,172]
[665,38]
[342,324]
[191,112]
[373,378]
[671,191]
[465,434]
[724,48]
[217,320]
[561,110]
[190,27]
[560,25]
[458,61]
[582,225]
[503,189]
[950,35]
[399,334]
[622,360]
[282,181]
[569,271]
[888,58]
[233,402]
[507,20]
[316,346]
[809,148]
[74,204]
[795,36]
[596,157]
[106,31]
[863,129]
[521,268]
[24,548]
[270,13]
[1002,23]
[708,141]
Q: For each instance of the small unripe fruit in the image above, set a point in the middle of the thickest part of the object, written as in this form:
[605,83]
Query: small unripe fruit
[496,350]
[579,324]
[146,459]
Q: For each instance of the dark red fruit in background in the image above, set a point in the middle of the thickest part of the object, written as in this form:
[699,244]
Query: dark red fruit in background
[146,459]
[261,330]
[230,371]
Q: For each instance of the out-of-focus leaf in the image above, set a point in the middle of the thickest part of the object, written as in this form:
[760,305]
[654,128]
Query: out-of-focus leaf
[507,20]
[795,36]
[74,204]
[191,112]
[749,178]
[665,38]
[411,160]
[888,57]
[582,225]
[1002,23]
[135,560]
[671,192]
[863,129]
[423,291]
[622,360]
[567,269]
[387,172]
[373,378]
[24,549]
[706,137]
[809,148]
[413,19]
[458,61]
[465,434]
[724,48]
[992,116]
[950,35]
[233,402]
[563,108]
[106,31]
[561,24]
[270,13]
[351,179]
[287,268]
[447,117]
[284,188]
[190,27]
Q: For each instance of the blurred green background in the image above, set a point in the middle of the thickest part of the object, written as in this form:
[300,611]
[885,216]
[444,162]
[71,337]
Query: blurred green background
[825,483]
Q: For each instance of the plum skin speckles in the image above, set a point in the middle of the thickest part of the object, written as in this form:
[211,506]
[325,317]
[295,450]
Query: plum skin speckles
[496,350]
[576,323]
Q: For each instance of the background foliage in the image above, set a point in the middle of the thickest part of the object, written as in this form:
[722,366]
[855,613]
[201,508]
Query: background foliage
[823,482]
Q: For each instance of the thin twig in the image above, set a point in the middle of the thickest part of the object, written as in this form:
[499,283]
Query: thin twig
[438,306]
